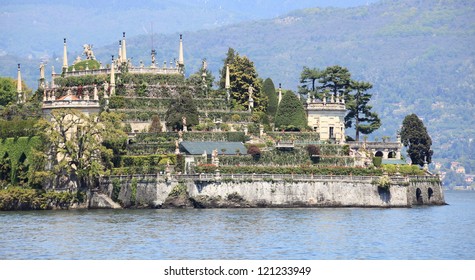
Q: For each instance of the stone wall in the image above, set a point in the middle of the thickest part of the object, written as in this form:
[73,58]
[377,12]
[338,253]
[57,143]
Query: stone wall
[154,191]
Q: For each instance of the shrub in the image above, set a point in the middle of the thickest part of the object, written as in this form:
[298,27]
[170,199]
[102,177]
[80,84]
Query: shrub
[254,151]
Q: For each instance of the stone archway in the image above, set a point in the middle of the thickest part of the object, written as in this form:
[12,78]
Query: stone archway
[419,196]
[392,154]
[430,193]
[379,154]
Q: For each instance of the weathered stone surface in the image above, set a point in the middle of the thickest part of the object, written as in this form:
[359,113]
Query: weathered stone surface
[102,201]
[342,192]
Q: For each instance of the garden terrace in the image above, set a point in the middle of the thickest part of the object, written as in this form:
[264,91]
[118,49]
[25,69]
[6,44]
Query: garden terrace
[305,169]
[295,157]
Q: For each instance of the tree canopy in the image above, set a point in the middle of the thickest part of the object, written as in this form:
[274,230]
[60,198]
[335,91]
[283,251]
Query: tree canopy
[182,106]
[414,136]
[290,113]
[269,91]
[228,60]
[308,79]
[7,91]
[243,75]
[359,112]
[76,141]
[335,79]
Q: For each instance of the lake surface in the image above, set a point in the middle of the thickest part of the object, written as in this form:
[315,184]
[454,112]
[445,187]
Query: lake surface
[440,232]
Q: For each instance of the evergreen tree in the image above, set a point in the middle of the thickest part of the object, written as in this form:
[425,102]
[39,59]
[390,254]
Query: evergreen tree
[228,60]
[290,113]
[181,107]
[243,75]
[359,112]
[269,91]
[335,80]
[414,134]
[308,79]
[7,91]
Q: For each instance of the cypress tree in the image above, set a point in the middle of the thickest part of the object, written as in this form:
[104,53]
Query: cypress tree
[269,90]
[290,113]
[414,136]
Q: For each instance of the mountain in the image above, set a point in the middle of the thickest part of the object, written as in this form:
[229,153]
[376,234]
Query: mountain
[419,56]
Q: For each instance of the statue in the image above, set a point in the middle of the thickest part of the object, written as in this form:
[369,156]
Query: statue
[106,86]
[87,50]
[250,90]
[185,128]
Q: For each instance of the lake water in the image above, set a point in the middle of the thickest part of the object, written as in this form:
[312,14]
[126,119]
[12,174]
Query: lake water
[441,232]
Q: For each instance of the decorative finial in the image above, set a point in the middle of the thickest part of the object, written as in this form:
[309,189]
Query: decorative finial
[123,34]
[18,66]
[65,40]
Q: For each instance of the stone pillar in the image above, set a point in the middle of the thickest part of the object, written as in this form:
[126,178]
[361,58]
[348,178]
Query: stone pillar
[124,50]
[19,88]
[227,84]
[65,57]
[112,78]
[181,60]
[280,93]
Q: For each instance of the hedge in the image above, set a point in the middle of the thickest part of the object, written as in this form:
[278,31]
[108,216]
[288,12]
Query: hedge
[305,169]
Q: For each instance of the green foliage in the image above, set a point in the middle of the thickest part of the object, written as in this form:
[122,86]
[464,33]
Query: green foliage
[116,187]
[384,182]
[8,92]
[290,113]
[359,112]
[133,189]
[148,160]
[77,139]
[90,63]
[16,198]
[15,154]
[183,106]
[308,79]
[178,190]
[377,161]
[243,75]
[269,90]
[230,55]
[414,134]
[336,80]
[393,169]
[304,169]
[18,127]
[81,80]
[151,79]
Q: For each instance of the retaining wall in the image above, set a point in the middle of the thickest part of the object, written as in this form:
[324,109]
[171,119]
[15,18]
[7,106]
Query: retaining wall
[277,191]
